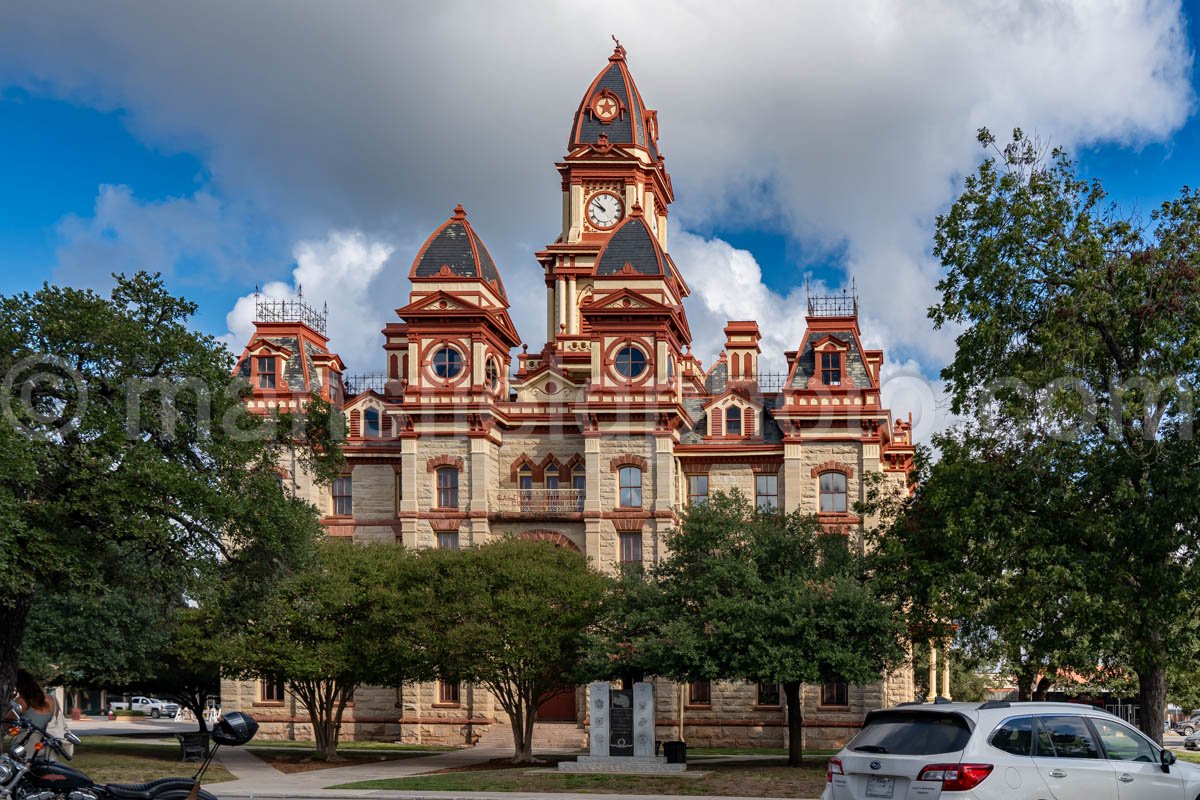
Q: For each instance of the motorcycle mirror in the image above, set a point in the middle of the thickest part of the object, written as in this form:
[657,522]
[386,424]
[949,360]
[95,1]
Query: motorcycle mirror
[72,738]
[15,707]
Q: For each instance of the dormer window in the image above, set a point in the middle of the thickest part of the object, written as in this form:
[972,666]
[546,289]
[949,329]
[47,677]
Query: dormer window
[733,421]
[371,422]
[831,369]
[266,372]
[631,362]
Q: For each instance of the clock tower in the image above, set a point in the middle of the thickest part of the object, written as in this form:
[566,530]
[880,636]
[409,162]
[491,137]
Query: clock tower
[608,274]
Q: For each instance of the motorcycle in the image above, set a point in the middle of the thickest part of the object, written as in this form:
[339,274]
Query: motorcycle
[35,776]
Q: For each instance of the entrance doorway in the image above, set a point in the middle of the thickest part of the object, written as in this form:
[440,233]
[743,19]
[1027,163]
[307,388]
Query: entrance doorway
[559,707]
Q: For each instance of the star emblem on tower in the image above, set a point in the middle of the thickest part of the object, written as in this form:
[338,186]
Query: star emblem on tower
[606,107]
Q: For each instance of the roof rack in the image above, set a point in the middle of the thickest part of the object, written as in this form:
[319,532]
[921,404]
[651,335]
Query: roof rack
[995,704]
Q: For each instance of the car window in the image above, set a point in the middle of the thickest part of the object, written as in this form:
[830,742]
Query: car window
[912,733]
[1014,736]
[1065,737]
[1122,744]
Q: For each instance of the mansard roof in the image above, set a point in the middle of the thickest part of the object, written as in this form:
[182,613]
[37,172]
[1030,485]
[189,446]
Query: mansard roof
[631,124]
[632,243]
[806,364]
[456,247]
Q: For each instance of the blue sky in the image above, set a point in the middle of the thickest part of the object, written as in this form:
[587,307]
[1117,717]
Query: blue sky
[265,145]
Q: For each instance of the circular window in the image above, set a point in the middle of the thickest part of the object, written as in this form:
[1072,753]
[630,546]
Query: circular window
[447,363]
[491,374]
[631,362]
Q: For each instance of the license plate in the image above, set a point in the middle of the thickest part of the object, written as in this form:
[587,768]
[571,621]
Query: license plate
[880,787]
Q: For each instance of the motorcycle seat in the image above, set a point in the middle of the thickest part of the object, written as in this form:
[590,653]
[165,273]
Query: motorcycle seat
[131,791]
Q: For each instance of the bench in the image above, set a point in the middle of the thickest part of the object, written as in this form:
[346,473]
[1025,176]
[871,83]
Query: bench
[192,746]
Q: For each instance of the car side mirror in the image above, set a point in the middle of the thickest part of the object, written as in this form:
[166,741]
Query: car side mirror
[1167,758]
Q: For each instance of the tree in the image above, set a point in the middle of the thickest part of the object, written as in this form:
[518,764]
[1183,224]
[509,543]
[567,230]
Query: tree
[1080,325]
[512,616]
[987,552]
[353,617]
[124,432]
[186,669]
[758,596]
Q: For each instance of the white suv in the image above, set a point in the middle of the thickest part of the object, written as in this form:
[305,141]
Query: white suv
[1009,751]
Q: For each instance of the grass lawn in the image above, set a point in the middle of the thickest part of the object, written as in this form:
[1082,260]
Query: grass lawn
[1187,755]
[297,760]
[106,760]
[758,778]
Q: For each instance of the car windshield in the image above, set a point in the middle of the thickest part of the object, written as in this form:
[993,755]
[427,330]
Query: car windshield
[912,733]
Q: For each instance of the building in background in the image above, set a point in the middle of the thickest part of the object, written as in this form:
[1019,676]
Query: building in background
[595,441]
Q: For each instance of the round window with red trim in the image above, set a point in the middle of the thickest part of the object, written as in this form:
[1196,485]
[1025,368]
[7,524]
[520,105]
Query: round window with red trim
[630,362]
[447,363]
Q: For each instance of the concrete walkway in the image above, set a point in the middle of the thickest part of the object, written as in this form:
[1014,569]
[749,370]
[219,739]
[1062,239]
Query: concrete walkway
[256,778]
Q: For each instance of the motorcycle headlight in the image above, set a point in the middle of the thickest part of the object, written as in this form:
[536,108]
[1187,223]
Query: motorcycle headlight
[17,752]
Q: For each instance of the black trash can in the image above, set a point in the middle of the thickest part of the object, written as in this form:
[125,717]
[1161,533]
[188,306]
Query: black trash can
[676,752]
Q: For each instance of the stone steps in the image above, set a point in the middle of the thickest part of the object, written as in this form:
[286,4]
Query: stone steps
[546,736]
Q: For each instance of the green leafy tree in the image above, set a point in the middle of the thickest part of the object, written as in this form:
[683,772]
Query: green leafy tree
[122,432]
[186,668]
[987,552]
[1080,325]
[765,597]
[513,616]
[354,616]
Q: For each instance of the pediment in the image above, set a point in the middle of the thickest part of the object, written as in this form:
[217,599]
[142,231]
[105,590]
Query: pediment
[624,300]
[262,347]
[440,302]
[731,392]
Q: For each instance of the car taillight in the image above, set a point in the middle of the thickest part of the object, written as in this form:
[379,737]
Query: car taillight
[956,777]
[834,768]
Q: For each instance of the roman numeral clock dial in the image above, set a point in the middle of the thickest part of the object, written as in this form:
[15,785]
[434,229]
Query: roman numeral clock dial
[605,210]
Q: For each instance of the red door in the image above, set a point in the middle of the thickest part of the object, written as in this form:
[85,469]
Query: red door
[559,707]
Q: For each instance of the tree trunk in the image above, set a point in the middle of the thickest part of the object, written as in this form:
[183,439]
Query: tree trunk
[520,718]
[795,723]
[1025,679]
[15,613]
[1043,687]
[1152,697]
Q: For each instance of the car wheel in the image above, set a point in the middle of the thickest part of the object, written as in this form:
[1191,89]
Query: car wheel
[155,713]
[1188,730]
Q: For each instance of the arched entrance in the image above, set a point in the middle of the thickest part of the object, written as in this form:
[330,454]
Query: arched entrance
[560,706]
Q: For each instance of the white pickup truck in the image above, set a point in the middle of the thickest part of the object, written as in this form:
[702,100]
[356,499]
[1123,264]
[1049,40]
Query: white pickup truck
[149,706]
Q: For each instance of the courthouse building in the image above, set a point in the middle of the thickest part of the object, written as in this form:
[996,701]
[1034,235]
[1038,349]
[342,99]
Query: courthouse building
[594,440]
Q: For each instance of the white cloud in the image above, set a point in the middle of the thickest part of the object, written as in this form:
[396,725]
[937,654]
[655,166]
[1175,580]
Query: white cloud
[125,235]
[344,267]
[845,124]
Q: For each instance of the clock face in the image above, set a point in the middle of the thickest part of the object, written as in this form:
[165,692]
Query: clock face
[604,209]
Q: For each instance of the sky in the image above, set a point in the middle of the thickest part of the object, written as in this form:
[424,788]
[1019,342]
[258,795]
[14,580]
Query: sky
[289,143]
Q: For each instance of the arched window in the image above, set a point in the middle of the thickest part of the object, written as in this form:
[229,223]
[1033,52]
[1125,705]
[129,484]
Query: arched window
[447,363]
[393,366]
[831,369]
[833,493]
[631,362]
[552,478]
[579,479]
[447,487]
[491,374]
[631,487]
[733,421]
[371,422]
